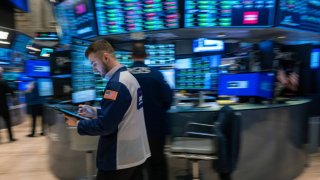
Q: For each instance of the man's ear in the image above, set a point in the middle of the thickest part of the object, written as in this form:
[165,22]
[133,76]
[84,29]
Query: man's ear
[106,57]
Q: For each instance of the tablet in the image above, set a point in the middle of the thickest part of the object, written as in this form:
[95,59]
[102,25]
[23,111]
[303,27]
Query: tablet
[70,113]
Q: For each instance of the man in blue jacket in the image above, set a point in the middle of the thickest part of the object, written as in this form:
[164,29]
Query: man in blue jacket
[157,99]
[123,145]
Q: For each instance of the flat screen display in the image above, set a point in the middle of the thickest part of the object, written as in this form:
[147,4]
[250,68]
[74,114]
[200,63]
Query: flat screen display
[197,73]
[315,59]
[83,79]
[249,84]
[207,45]
[45,87]
[23,85]
[124,57]
[225,13]
[115,17]
[37,68]
[6,37]
[299,14]
[160,54]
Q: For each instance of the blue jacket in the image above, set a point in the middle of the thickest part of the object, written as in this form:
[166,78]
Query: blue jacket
[157,98]
[123,139]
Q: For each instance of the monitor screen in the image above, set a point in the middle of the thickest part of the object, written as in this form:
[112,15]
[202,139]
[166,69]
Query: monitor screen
[46,36]
[224,13]
[160,54]
[315,59]
[169,77]
[66,21]
[84,19]
[115,17]
[250,84]
[299,14]
[207,45]
[124,57]
[5,56]
[6,37]
[83,78]
[197,73]
[37,68]
[45,87]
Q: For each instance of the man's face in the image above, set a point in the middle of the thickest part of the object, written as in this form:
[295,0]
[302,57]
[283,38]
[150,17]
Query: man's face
[98,63]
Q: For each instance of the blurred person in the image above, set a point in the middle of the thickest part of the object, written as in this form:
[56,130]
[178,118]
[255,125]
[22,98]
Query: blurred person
[35,107]
[123,145]
[157,99]
[288,83]
[4,109]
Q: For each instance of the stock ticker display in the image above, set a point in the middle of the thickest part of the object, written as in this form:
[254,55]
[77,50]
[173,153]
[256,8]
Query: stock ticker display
[160,54]
[83,79]
[229,13]
[117,16]
[302,14]
[197,73]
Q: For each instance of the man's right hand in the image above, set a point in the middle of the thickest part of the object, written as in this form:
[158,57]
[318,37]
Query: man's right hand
[87,111]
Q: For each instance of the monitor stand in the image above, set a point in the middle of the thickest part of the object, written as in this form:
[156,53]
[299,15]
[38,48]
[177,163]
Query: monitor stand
[201,102]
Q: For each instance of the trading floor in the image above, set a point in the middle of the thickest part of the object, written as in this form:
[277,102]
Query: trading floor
[28,158]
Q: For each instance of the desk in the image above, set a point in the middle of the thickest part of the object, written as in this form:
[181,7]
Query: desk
[272,139]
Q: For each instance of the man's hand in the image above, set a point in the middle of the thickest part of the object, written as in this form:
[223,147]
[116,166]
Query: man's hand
[87,111]
[71,121]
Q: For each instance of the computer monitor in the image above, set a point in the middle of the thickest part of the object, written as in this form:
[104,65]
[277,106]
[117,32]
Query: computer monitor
[46,52]
[45,86]
[199,73]
[37,68]
[169,77]
[315,59]
[207,45]
[258,84]
[160,54]
[23,85]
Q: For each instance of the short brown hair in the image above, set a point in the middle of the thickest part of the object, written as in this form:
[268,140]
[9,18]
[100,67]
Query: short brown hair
[100,45]
[138,50]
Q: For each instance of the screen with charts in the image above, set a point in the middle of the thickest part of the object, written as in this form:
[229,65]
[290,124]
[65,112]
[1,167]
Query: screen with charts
[37,68]
[259,84]
[199,73]
[45,86]
[115,16]
[315,59]
[160,54]
[124,57]
[83,79]
[300,14]
[207,45]
[226,13]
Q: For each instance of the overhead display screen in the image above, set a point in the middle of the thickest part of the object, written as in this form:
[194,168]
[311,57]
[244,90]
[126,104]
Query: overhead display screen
[228,13]
[117,16]
[303,14]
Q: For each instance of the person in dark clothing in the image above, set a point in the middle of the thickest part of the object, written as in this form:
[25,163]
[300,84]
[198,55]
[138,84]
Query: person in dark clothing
[4,109]
[157,99]
[34,107]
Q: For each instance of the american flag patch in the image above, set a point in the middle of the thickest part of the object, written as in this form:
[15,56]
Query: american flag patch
[109,94]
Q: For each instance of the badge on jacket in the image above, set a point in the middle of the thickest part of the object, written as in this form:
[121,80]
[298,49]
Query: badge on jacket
[111,95]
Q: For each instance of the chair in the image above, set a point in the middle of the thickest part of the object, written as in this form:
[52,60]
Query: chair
[218,142]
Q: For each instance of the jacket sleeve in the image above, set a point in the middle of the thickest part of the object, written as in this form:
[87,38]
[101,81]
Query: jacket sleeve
[166,93]
[113,108]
